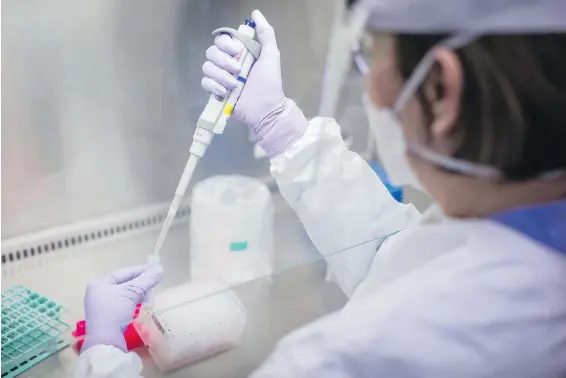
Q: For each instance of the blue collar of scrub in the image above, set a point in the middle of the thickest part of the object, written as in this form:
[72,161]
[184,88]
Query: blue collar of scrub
[544,223]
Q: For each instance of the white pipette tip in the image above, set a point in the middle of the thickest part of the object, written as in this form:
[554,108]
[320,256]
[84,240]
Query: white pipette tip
[167,224]
[153,259]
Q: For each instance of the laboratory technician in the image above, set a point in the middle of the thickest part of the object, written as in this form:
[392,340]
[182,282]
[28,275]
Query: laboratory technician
[467,101]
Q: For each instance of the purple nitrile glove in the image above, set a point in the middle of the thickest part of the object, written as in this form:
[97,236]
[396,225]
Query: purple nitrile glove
[275,120]
[110,303]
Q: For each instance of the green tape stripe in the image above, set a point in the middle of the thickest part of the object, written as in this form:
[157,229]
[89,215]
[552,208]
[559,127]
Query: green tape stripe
[239,246]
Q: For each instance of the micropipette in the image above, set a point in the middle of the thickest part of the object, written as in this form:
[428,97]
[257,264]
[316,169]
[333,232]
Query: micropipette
[214,117]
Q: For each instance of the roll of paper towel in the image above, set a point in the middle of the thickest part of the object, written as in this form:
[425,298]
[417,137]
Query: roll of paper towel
[231,230]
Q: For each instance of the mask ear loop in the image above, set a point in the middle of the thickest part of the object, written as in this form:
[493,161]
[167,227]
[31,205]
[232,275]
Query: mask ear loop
[423,68]
[409,90]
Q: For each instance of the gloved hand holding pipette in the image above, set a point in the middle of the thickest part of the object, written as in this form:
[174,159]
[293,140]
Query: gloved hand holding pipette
[275,120]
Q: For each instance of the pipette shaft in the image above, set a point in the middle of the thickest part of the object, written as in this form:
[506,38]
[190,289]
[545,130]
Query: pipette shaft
[179,194]
[213,119]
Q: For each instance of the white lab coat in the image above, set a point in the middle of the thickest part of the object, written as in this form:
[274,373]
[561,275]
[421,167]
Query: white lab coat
[429,296]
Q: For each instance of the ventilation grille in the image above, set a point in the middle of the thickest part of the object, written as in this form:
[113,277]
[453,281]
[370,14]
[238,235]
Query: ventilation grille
[98,230]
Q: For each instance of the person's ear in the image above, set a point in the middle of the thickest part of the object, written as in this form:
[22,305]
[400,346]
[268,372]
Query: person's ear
[444,92]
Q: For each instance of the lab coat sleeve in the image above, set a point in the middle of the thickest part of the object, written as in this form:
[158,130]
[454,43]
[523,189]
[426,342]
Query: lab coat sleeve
[103,361]
[343,205]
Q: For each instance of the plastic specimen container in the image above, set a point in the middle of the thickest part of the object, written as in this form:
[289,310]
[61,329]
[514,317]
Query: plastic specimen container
[31,329]
[191,322]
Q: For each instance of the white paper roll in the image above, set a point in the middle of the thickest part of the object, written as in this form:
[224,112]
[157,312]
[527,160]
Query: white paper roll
[231,230]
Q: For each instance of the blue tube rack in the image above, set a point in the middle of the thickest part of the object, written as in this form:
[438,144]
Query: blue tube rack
[31,330]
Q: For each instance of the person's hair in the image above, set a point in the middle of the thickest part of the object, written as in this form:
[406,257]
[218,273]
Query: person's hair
[513,105]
